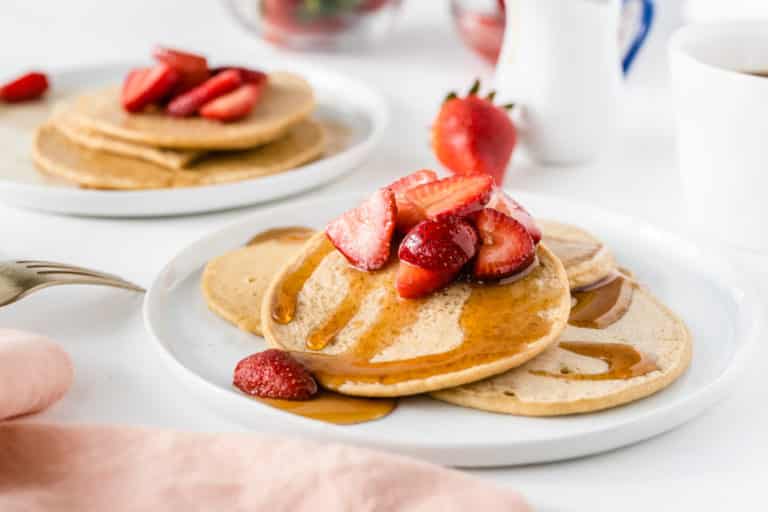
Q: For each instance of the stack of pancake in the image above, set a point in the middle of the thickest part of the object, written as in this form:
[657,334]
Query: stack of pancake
[92,142]
[576,334]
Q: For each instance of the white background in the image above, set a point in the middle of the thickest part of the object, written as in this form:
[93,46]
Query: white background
[717,462]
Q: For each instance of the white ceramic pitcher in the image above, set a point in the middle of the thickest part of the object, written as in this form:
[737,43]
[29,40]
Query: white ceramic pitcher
[560,62]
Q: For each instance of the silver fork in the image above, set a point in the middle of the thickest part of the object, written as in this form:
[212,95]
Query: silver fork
[22,277]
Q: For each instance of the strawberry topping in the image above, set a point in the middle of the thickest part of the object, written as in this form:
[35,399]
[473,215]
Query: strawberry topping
[506,246]
[192,68]
[145,86]
[274,374]
[408,214]
[190,102]
[455,196]
[445,244]
[501,202]
[249,76]
[364,235]
[413,282]
[234,105]
[29,86]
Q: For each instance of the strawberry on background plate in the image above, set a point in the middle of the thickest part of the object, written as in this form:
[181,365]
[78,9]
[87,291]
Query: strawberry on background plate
[192,68]
[506,247]
[274,374]
[28,86]
[145,86]
[364,234]
[454,196]
[471,135]
[408,214]
[190,102]
[233,105]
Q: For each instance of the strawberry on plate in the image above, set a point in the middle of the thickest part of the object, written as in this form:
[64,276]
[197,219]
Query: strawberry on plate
[233,105]
[471,135]
[364,235]
[145,86]
[506,247]
[29,86]
[454,196]
[432,254]
[274,374]
[252,76]
[501,202]
[192,68]
[408,214]
[190,102]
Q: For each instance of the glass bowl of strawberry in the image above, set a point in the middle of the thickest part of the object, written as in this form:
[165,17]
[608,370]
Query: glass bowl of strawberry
[316,24]
[480,24]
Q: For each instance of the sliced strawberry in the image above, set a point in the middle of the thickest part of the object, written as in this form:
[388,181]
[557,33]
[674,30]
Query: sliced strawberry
[145,86]
[252,76]
[364,235]
[413,282]
[408,214]
[233,105]
[501,202]
[445,244]
[274,374]
[506,247]
[29,86]
[190,102]
[192,68]
[454,196]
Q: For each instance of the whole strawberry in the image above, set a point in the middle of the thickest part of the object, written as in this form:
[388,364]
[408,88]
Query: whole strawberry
[274,374]
[471,135]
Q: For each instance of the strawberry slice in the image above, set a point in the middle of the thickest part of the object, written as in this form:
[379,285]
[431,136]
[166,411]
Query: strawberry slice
[412,282]
[506,247]
[192,68]
[445,244]
[233,105]
[364,235]
[29,86]
[501,202]
[458,195]
[250,76]
[145,86]
[274,374]
[408,214]
[190,102]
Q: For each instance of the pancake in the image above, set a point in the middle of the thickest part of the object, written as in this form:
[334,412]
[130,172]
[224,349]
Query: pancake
[287,100]
[586,259]
[234,283]
[367,341]
[57,155]
[170,158]
[635,348]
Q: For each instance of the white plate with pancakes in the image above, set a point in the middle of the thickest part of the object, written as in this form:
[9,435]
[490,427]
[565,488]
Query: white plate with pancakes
[353,123]
[201,349]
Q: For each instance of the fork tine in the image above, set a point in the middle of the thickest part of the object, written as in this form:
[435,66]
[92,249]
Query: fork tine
[53,266]
[77,278]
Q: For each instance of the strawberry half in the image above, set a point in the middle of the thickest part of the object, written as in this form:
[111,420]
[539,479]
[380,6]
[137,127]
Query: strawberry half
[190,102]
[501,202]
[412,282]
[455,196]
[145,86]
[506,247]
[274,374]
[364,235]
[234,105]
[445,244]
[250,76]
[29,86]
[408,214]
[192,68]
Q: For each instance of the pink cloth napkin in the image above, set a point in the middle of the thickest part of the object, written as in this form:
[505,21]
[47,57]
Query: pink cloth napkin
[47,467]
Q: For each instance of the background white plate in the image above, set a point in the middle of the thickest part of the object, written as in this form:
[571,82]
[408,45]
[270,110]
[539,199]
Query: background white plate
[201,349]
[339,98]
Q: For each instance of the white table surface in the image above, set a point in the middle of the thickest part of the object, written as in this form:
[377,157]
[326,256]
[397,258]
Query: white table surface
[717,462]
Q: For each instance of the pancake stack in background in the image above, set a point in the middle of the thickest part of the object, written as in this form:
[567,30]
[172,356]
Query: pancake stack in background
[94,141]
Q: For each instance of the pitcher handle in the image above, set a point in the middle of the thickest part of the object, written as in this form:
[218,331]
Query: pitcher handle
[646,19]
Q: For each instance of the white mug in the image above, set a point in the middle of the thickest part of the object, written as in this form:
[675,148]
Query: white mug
[722,114]
[561,63]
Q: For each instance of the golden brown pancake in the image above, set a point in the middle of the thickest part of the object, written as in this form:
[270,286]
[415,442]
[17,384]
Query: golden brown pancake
[585,258]
[57,155]
[287,100]
[234,283]
[367,341]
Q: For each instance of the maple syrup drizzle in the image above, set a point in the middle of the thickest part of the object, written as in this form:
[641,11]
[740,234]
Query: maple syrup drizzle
[287,234]
[600,307]
[487,337]
[335,408]
[571,252]
[624,361]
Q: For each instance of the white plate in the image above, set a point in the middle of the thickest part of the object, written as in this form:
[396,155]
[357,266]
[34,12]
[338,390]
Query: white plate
[340,98]
[201,349]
